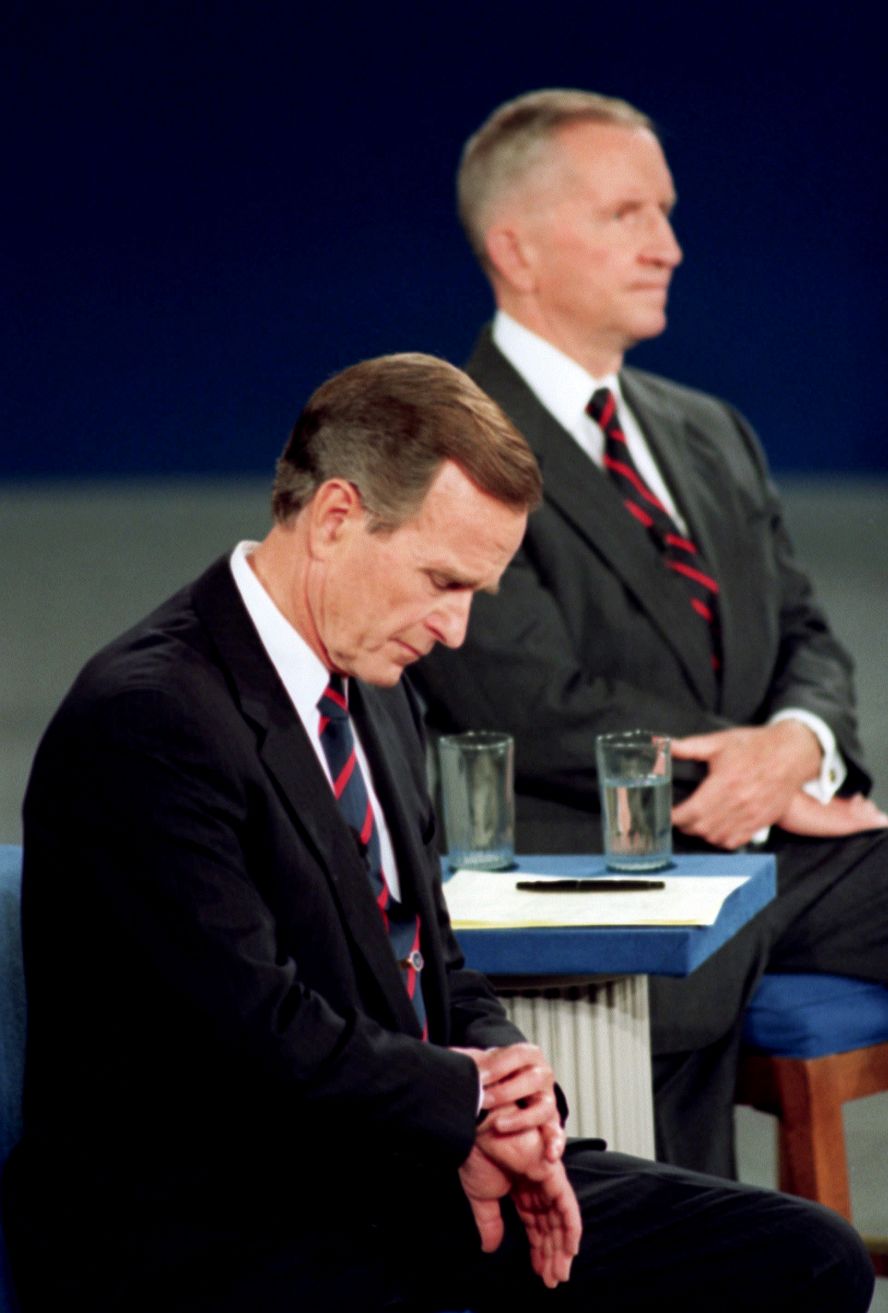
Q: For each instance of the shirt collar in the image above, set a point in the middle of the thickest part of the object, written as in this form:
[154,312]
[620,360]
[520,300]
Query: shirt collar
[562,385]
[302,673]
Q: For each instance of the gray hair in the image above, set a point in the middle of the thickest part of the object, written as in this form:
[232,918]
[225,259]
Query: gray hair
[512,142]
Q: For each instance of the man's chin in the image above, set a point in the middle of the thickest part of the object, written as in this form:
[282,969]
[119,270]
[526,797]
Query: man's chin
[651,326]
[382,674]
[384,665]
[388,679]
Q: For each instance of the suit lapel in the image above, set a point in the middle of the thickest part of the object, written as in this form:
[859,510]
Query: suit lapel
[588,499]
[289,759]
[684,457]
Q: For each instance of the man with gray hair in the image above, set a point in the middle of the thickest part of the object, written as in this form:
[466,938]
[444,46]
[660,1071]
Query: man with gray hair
[655,588]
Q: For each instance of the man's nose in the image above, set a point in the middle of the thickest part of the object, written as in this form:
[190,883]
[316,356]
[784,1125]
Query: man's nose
[662,244]
[451,618]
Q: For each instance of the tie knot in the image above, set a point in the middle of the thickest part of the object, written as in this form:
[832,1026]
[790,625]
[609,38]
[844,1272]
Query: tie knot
[333,703]
[602,407]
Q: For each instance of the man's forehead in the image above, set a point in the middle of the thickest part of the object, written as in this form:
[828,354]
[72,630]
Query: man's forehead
[613,154]
[593,159]
[465,533]
[585,134]
[453,491]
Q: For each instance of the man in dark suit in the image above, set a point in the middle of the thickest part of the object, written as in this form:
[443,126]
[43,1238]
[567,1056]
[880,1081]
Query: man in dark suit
[656,588]
[260,1077]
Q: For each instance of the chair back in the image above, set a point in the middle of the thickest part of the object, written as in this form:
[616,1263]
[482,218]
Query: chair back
[12,1029]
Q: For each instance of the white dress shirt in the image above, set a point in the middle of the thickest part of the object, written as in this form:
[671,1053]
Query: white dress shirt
[564,387]
[304,676]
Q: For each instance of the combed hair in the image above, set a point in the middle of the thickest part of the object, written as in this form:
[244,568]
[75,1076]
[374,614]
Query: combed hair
[387,425]
[512,142]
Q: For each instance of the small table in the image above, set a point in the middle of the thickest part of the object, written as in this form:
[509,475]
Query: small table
[581,994]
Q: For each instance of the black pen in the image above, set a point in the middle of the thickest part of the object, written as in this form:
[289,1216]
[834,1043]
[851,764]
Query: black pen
[588,886]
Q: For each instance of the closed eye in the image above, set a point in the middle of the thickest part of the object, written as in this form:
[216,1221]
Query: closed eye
[443,583]
[446,584]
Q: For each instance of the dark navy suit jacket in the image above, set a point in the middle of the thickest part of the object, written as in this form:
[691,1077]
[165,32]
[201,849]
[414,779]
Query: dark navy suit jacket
[220,1043]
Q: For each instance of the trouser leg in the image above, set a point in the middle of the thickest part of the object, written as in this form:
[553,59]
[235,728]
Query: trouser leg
[695,1040]
[661,1238]
[685,1083]
[831,914]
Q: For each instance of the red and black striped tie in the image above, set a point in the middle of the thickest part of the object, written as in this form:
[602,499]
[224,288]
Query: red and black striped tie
[679,553]
[350,789]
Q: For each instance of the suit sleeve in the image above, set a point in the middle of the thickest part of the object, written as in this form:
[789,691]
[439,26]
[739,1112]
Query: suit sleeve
[812,670]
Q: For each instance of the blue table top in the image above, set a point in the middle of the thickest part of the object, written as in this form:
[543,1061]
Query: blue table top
[623,950]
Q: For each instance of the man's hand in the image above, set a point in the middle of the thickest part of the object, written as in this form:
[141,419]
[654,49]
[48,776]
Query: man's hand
[490,1172]
[518,1152]
[485,1184]
[754,775]
[551,1217]
[544,1199]
[834,819]
[518,1093]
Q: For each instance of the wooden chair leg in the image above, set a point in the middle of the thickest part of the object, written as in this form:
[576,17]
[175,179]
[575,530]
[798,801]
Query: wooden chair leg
[812,1160]
[807,1097]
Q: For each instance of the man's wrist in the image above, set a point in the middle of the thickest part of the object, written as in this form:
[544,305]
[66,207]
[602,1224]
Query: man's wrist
[829,779]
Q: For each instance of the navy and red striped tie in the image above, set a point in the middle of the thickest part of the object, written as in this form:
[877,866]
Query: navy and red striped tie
[680,554]
[402,926]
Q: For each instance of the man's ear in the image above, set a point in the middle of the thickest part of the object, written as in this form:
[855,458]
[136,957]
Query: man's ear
[511,256]
[334,513]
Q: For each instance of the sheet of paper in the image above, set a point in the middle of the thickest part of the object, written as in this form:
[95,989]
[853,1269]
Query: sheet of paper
[482,900]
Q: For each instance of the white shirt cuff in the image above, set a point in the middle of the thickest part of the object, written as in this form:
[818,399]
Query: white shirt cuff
[833,770]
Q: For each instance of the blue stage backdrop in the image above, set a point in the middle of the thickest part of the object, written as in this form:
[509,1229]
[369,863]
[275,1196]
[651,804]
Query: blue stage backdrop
[212,206]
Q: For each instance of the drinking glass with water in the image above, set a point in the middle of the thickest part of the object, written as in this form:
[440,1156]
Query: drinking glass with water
[478,796]
[635,782]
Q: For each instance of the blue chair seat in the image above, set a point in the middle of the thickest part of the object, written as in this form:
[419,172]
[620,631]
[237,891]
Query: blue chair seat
[809,1016]
[812,1043]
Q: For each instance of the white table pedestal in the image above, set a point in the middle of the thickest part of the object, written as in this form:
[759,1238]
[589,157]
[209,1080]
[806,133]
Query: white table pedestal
[595,1034]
